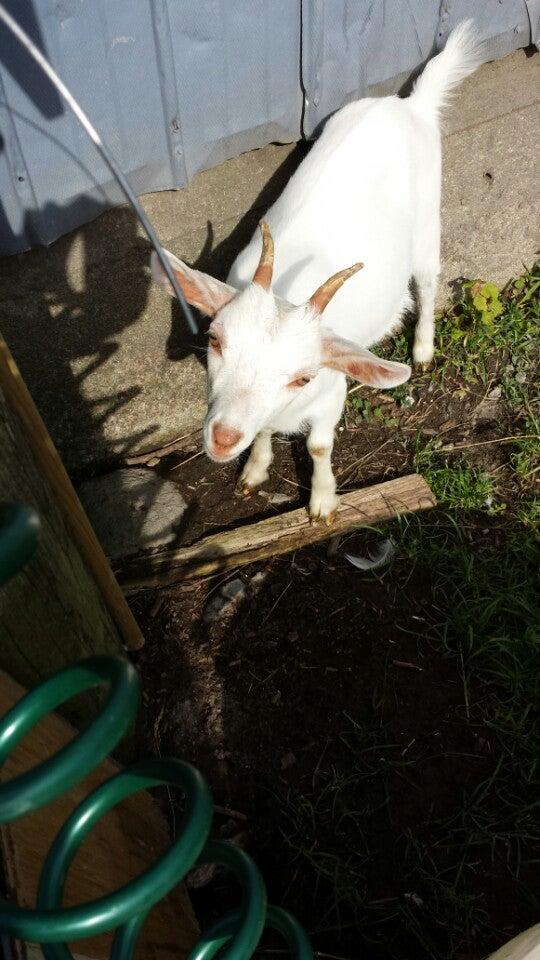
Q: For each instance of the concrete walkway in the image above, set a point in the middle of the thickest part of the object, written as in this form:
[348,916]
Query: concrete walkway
[107,357]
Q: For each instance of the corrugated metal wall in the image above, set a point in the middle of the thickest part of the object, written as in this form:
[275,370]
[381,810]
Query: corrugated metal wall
[177,86]
[352,47]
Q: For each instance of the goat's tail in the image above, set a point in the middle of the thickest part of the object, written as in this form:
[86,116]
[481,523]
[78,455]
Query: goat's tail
[462,55]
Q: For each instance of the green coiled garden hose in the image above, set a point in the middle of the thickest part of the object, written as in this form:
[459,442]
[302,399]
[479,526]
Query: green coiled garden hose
[237,935]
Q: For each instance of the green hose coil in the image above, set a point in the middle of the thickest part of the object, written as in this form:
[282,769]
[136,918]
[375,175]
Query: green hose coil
[235,936]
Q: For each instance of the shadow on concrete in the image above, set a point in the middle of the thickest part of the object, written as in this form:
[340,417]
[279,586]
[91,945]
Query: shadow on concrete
[64,319]
[64,310]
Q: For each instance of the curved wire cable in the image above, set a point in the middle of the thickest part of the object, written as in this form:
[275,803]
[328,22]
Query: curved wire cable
[72,103]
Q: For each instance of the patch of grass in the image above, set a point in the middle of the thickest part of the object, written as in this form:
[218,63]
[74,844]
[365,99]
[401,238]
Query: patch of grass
[401,395]
[456,484]
[491,609]
[486,335]
[528,513]
[490,335]
[526,459]
[484,619]
[400,347]
[365,409]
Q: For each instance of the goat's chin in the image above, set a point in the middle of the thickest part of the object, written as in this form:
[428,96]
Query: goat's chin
[214,454]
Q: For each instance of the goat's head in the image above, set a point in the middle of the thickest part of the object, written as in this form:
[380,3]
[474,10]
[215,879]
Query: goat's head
[263,351]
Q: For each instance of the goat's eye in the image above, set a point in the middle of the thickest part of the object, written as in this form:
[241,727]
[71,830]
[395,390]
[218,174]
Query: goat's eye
[213,340]
[299,382]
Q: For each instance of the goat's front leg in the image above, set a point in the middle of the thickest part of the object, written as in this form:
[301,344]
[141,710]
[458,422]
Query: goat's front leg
[323,503]
[255,472]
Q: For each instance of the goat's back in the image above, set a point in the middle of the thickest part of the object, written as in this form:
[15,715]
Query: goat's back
[354,197]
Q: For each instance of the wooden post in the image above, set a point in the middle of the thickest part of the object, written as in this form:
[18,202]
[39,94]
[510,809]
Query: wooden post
[66,603]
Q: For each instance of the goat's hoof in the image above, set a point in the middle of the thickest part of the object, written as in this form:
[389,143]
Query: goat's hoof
[328,520]
[250,481]
[323,507]
[423,355]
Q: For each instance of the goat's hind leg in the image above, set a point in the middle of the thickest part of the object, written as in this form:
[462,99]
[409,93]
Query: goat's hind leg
[426,263]
[424,337]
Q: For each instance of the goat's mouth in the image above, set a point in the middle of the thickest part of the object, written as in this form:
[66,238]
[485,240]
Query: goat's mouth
[221,454]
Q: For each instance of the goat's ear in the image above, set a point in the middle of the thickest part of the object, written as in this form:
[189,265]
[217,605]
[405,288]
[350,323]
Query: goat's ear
[361,365]
[200,290]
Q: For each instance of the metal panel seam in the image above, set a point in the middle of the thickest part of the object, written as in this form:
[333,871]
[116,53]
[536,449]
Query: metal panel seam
[169,90]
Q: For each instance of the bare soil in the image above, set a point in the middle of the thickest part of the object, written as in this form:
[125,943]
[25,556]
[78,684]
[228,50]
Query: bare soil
[261,697]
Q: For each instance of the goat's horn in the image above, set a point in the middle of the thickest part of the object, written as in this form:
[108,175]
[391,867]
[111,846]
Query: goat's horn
[263,273]
[322,296]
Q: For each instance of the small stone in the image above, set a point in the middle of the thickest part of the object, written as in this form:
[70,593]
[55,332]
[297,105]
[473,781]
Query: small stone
[258,579]
[277,499]
[214,608]
[274,498]
[414,898]
[487,411]
[132,510]
[201,876]
[234,589]
[495,394]
[226,601]
[288,761]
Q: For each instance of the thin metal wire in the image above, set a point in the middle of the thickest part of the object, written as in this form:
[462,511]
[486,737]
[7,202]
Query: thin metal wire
[42,61]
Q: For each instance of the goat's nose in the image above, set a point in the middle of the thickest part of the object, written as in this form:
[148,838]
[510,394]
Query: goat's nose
[225,437]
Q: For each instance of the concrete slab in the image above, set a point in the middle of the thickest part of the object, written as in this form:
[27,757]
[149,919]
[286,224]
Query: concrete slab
[491,199]
[133,510]
[107,357]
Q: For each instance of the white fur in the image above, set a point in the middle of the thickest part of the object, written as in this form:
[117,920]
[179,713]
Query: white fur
[368,190]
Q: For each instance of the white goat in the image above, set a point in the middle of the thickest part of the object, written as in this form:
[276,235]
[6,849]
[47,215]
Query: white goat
[369,189]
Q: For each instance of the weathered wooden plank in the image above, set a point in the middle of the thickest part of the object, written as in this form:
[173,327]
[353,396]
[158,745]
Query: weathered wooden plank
[277,535]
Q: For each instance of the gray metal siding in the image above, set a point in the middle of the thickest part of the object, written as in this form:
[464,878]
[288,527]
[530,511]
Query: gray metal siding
[173,86]
[176,86]
[236,68]
[353,47]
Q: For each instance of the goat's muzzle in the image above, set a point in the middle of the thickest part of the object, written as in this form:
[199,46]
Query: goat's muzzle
[223,440]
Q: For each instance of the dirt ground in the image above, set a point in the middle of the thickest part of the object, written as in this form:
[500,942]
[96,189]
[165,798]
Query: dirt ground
[315,666]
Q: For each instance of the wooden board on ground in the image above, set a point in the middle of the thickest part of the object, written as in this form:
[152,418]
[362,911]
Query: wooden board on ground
[277,535]
[128,840]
